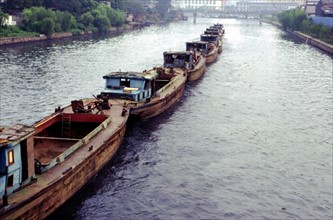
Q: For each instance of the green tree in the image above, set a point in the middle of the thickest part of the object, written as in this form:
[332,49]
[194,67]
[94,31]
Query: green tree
[75,7]
[294,19]
[36,19]
[47,26]
[102,23]
[86,19]
[21,4]
[297,20]
[3,18]
[65,20]
[116,17]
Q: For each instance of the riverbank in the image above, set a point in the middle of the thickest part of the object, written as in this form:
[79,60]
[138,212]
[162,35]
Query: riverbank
[18,40]
[325,47]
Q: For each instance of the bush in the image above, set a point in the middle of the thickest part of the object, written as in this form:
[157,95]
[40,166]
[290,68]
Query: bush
[46,21]
[66,20]
[37,18]
[86,19]
[13,31]
[76,32]
[47,26]
[102,23]
[116,18]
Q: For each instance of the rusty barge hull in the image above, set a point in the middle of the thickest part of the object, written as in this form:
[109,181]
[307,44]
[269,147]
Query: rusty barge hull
[160,103]
[219,46]
[198,71]
[212,56]
[54,187]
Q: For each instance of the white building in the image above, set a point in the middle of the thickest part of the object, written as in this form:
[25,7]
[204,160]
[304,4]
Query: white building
[10,20]
[198,4]
[220,4]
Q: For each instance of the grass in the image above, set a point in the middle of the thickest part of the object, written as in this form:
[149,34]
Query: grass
[13,31]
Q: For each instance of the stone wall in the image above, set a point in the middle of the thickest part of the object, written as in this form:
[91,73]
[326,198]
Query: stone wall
[314,42]
[16,40]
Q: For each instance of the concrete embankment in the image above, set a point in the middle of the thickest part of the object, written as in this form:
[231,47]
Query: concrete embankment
[17,40]
[306,38]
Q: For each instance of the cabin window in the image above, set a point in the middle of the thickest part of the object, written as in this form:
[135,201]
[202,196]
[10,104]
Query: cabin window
[112,83]
[125,82]
[10,181]
[11,157]
[137,83]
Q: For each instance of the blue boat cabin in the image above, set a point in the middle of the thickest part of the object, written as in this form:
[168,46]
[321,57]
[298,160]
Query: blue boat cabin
[16,158]
[133,86]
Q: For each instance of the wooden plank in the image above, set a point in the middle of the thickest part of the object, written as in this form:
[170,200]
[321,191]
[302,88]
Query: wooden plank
[56,138]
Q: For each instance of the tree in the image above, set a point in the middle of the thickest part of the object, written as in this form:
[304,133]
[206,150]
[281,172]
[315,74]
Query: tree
[65,20]
[86,19]
[116,17]
[102,23]
[21,4]
[294,19]
[76,7]
[3,18]
[162,7]
[47,26]
[36,19]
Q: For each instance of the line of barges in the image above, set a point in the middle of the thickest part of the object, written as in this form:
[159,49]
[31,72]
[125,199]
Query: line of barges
[45,164]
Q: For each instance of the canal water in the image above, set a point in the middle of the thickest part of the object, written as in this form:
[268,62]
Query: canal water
[252,139]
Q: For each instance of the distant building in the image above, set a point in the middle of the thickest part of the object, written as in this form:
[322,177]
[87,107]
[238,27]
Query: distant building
[10,21]
[241,5]
[15,18]
[310,7]
[323,13]
[199,4]
[259,7]
[324,8]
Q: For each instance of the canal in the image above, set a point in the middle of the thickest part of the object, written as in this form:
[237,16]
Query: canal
[252,139]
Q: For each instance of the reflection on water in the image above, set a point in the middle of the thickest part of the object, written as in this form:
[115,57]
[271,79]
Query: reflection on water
[252,139]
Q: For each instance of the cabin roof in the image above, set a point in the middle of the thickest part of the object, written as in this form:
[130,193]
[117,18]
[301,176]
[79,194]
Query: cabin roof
[178,53]
[208,35]
[197,42]
[214,33]
[212,29]
[133,75]
[15,133]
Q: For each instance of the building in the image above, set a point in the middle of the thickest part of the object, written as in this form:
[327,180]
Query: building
[10,21]
[241,6]
[264,7]
[323,13]
[310,7]
[199,4]
[324,8]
